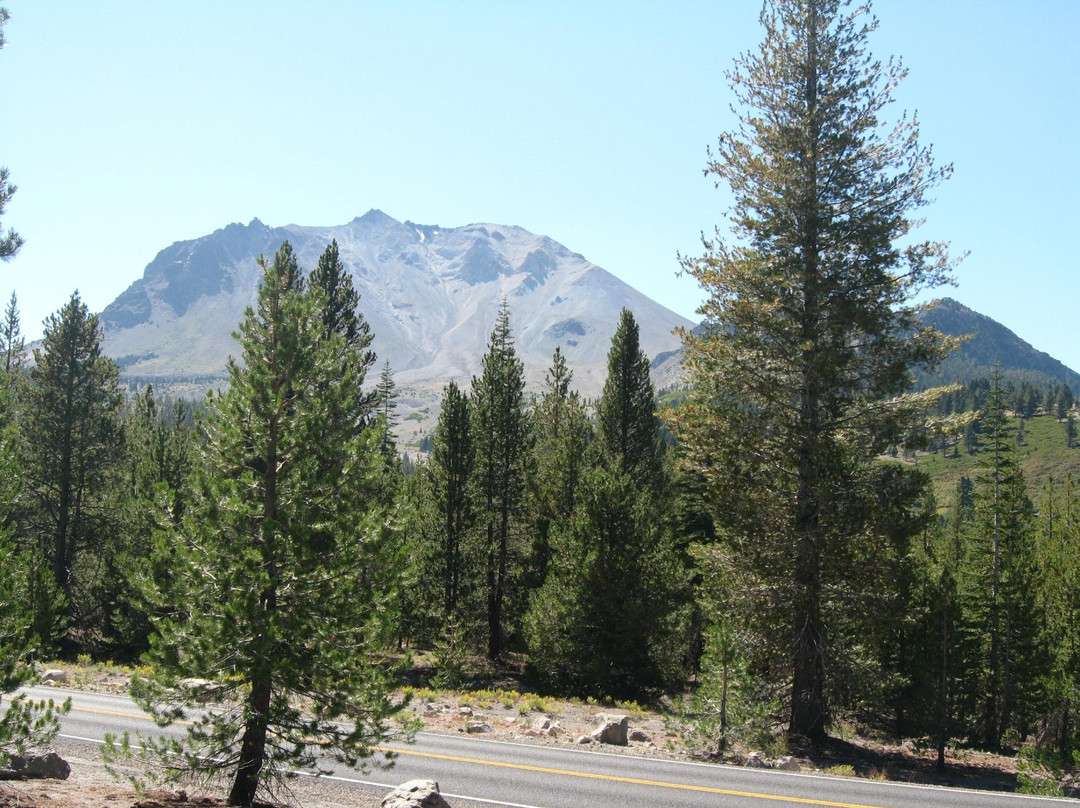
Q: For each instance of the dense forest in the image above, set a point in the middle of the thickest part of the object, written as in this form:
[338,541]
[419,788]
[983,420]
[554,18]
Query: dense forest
[768,551]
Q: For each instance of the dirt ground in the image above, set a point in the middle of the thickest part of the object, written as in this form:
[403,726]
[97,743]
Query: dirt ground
[502,715]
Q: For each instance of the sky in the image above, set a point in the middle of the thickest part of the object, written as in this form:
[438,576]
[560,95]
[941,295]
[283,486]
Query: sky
[129,125]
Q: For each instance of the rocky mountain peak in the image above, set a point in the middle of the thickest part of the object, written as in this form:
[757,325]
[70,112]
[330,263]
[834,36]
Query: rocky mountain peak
[429,292]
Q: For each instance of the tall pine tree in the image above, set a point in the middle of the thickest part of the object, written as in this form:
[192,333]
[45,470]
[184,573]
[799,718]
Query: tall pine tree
[809,337]
[627,426]
[72,448]
[562,435]
[501,433]
[610,535]
[1000,586]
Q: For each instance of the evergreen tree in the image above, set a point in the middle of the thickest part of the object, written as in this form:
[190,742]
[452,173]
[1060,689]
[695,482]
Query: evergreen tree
[1063,403]
[12,344]
[24,723]
[449,477]
[799,374]
[609,618]
[607,532]
[339,309]
[562,434]
[281,588]
[29,604]
[10,243]
[1059,553]
[999,588]
[627,426]
[500,434]
[386,409]
[158,487]
[72,448]
[338,303]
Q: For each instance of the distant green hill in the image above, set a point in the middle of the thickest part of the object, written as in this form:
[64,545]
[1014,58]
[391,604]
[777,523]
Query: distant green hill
[1042,454]
[990,344]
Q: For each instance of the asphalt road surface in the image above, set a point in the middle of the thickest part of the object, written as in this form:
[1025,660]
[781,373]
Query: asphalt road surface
[500,773]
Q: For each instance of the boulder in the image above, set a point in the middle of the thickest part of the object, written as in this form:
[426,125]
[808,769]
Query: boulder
[49,766]
[415,794]
[640,735]
[756,760]
[473,727]
[545,726]
[787,763]
[612,730]
[55,675]
[584,739]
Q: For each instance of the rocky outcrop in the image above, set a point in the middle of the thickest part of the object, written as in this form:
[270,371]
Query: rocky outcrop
[415,794]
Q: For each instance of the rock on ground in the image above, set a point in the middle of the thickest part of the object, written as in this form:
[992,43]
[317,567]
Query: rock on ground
[612,730]
[36,767]
[415,794]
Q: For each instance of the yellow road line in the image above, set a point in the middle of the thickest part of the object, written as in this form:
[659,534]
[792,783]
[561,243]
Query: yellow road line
[120,714]
[564,772]
[630,780]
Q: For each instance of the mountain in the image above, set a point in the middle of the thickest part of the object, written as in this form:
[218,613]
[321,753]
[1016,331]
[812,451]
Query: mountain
[430,294]
[990,343]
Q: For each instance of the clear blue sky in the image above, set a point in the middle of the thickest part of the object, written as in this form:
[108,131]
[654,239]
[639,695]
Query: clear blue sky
[130,125]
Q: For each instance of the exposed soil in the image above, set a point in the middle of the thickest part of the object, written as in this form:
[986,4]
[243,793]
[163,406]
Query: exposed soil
[499,713]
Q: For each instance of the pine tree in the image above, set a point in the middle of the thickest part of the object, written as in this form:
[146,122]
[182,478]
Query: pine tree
[72,448]
[386,409]
[562,434]
[10,243]
[25,723]
[609,618]
[1063,402]
[999,588]
[799,374]
[608,533]
[1059,597]
[12,344]
[339,310]
[281,587]
[159,466]
[447,556]
[29,604]
[500,434]
[627,426]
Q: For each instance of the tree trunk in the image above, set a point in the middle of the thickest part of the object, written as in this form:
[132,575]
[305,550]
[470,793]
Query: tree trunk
[253,747]
[808,680]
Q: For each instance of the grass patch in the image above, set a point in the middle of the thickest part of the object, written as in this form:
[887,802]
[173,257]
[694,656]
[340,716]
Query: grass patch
[841,770]
[1042,455]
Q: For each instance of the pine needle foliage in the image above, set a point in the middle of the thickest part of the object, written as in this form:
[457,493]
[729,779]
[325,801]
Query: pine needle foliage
[501,439]
[810,333]
[280,594]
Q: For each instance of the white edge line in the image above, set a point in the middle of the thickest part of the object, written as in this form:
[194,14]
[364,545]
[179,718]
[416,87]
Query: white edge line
[337,778]
[762,772]
[392,786]
[859,781]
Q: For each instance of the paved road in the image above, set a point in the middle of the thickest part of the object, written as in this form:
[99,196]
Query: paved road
[530,776]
